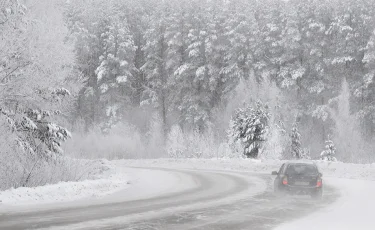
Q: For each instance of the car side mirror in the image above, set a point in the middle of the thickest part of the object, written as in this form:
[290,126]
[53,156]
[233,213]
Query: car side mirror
[320,175]
[274,173]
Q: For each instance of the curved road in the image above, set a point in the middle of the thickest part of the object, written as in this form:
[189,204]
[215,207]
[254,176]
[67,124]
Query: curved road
[219,200]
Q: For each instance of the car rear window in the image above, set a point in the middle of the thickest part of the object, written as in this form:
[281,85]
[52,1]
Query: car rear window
[301,169]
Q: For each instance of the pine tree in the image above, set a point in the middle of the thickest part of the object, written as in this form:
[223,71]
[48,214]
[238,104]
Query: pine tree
[86,26]
[157,77]
[114,73]
[249,126]
[193,76]
[271,22]
[105,51]
[296,142]
[241,43]
[291,60]
[365,91]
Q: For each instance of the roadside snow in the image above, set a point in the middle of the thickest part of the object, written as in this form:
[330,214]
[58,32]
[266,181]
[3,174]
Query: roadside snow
[352,210]
[64,191]
[106,181]
[117,184]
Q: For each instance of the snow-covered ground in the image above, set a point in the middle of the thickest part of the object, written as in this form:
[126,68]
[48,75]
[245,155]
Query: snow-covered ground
[117,177]
[106,180]
[352,210]
[116,184]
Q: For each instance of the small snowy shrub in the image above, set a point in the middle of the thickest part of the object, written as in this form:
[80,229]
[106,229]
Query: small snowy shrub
[225,151]
[193,144]
[176,142]
[329,153]
[306,154]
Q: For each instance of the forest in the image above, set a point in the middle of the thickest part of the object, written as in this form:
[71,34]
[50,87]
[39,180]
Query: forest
[185,78]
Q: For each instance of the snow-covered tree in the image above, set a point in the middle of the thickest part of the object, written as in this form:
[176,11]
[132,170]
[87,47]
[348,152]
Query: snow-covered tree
[34,99]
[295,137]
[105,52]
[249,127]
[36,133]
[114,74]
[157,77]
[306,154]
[198,78]
[187,56]
[86,25]
[241,33]
[365,90]
[328,154]
[29,97]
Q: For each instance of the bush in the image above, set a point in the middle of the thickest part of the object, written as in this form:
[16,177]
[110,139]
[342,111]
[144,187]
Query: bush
[192,144]
[329,153]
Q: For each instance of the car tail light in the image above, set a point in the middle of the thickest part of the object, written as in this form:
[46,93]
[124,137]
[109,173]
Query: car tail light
[285,181]
[319,182]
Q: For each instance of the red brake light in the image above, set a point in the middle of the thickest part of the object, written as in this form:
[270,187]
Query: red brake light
[319,183]
[285,181]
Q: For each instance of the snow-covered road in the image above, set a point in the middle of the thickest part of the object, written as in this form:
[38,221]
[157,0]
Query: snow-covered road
[175,199]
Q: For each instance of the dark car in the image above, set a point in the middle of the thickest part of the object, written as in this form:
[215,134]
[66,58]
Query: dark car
[300,178]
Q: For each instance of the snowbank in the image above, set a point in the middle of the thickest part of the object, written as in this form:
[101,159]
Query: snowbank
[64,191]
[104,179]
[115,184]
[347,170]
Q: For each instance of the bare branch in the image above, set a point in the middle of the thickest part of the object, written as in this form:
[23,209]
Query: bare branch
[14,70]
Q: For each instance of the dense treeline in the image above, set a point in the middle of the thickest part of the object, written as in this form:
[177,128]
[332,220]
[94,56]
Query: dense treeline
[185,58]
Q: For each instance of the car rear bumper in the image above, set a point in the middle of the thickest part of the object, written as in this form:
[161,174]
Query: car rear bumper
[302,189]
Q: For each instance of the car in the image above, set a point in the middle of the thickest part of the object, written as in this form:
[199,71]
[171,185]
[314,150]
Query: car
[299,178]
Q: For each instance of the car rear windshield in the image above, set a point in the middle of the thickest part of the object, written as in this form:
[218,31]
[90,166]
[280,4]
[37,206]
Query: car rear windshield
[294,169]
